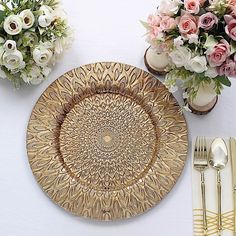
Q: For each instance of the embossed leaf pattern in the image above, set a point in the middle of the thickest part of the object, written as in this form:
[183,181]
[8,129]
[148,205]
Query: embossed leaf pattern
[107,141]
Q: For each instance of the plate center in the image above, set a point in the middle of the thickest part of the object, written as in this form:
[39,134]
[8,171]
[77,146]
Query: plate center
[108,141]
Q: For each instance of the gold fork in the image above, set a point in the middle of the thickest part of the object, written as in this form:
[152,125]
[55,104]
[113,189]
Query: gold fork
[200,163]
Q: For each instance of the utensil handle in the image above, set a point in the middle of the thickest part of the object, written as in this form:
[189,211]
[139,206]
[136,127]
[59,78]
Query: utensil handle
[219,201]
[203,190]
[234,196]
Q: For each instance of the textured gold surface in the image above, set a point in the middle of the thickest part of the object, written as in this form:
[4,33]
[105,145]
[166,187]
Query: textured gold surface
[227,222]
[107,141]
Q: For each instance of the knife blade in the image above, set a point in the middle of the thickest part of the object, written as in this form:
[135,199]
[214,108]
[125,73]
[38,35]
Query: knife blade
[233,166]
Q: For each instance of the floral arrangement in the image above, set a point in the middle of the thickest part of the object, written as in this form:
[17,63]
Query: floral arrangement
[33,35]
[199,37]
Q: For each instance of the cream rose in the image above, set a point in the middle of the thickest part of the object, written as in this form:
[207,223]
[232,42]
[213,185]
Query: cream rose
[198,64]
[13,61]
[42,55]
[180,56]
[33,75]
[47,16]
[169,7]
[211,72]
[13,25]
[28,18]
[9,46]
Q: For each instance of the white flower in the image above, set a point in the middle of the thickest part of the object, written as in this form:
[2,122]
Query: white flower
[47,16]
[10,46]
[33,75]
[13,25]
[180,56]
[198,64]
[42,54]
[178,42]
[46,71]
[2,40]
[192,38]
[13,61]
[211,72]
[169,7]
[28,18]
[2,51]
[2,74]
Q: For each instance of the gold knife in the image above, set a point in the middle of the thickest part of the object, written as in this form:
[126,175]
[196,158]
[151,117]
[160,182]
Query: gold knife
[233,164]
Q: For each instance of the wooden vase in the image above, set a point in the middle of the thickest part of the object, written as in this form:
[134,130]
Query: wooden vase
[205,101]
[156,63]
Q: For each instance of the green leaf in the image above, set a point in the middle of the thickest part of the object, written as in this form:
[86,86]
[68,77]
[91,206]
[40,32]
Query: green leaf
[223,80]
[210,42]
[233,47]
[2,16]
[145,24]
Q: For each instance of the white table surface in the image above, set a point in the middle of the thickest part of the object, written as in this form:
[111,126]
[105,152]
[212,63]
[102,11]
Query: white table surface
[106,30]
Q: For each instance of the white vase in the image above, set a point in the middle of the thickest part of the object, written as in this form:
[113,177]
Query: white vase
[156,63]
[205,100]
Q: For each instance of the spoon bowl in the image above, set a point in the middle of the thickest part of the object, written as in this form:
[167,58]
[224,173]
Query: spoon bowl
[218,157]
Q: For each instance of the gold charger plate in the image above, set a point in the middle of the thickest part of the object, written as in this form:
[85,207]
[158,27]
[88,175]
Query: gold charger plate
[107,141]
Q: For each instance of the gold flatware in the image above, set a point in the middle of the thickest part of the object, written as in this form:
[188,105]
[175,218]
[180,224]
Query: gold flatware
[200,164]
[218,158]
[233,166]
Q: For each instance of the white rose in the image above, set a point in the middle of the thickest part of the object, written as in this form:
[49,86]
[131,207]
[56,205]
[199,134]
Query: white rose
[178,42]
[36,75]
[9,46]
[180,56]
[211,72]
[13,25]
[2,40]
[13,61]
[2,74]
[169,7]
[192,38]
[42,55]
[47,16]
[28,18]
[198,64]
[32,75]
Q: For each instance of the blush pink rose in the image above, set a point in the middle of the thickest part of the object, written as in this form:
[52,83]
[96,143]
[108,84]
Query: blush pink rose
[154,20]
[167,23]
[207,21]
[231,3]
[228,68]
[192,6]
[219,53]
[230,28]
[188,24]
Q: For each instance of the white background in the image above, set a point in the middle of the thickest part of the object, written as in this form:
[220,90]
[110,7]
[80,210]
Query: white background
[106,30]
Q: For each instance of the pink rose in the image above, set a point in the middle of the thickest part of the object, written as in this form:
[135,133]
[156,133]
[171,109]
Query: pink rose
[167,23]
[155,33]
[228,68]
[154,20]
[192,6]
[231,3]
[230,28]
[207,21]
[219,53]
[188,24]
